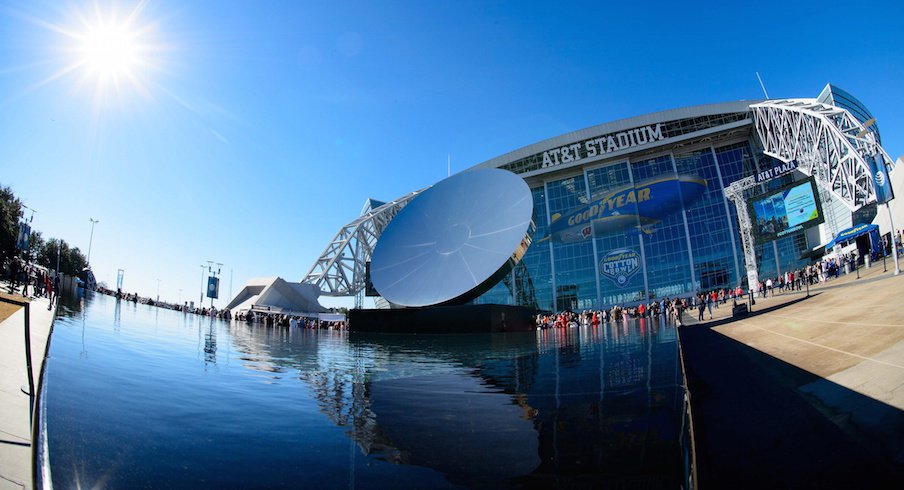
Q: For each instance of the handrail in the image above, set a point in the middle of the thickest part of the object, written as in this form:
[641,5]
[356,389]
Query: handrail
[40,470]
[35,417]
[31,378]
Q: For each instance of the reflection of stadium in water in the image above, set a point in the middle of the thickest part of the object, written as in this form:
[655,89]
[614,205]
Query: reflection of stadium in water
[569,405]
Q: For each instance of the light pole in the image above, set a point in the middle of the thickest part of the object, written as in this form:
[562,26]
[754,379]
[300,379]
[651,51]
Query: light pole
[91,239]
[158,290]
[201,300]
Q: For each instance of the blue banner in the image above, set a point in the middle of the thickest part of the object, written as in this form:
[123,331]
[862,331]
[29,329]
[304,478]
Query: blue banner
[24,235]
[881,181]
[213,287]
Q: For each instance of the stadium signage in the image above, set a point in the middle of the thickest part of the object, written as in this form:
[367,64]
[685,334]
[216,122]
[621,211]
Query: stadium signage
[775,171]
[620,265]
[601,145]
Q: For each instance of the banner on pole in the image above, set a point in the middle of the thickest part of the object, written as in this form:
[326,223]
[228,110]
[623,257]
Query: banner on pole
[24,235]
[213,287]
[881,182]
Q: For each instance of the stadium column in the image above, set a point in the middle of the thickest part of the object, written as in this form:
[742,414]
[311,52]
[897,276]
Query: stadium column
[596,264]
[643,254]
[687,231]
[731,232]
[552,258]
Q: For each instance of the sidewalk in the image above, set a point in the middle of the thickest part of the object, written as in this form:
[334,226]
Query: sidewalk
[15,410]
[807,392]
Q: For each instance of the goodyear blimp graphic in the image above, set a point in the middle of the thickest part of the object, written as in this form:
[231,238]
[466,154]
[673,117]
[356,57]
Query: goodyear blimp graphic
[633,207]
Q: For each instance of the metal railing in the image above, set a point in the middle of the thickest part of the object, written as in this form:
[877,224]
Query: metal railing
[686,438]
[40,474]
[31,378]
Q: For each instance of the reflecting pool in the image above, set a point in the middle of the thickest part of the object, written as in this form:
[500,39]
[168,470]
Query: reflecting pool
[137,396]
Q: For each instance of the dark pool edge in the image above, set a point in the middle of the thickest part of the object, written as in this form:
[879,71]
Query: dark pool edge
[40,458]
[687,432]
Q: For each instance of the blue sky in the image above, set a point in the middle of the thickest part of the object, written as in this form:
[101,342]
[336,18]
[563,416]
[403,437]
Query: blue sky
[253,131]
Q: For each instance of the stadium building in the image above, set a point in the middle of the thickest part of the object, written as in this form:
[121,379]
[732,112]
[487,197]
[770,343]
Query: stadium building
[636,209]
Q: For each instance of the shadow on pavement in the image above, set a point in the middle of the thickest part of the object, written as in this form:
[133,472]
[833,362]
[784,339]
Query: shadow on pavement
[754,428]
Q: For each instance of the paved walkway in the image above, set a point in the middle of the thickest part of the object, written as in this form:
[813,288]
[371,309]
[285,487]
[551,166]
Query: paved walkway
[807,392]
[15,411]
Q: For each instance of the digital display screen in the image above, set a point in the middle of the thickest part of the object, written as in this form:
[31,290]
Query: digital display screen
[790,209]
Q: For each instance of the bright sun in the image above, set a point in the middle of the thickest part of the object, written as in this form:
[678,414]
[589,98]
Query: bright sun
[112,50]
[109,52]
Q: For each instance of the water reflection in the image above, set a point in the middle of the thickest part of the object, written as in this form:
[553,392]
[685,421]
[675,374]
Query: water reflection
[578,406]
[210,344]
[562,404]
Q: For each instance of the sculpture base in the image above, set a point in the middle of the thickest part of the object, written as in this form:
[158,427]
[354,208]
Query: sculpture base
[444,319]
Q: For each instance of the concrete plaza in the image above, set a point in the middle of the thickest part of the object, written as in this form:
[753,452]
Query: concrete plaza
[806,391]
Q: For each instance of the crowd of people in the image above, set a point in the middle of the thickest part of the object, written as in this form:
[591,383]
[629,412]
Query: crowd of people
[670,309]
[704,302]
[250,317]
[35,281]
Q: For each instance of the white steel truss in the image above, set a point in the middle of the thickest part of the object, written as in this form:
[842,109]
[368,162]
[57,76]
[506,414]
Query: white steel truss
[735,193]
[826,141]
[340,269]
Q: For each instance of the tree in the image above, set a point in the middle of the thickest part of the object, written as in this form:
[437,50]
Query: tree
[10,213]
[35,247]
[44,252]
[72,260]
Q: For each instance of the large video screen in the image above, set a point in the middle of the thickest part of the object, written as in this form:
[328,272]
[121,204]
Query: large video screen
[792,208]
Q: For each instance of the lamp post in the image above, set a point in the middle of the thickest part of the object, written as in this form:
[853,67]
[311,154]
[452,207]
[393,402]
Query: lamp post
[91,239]
[201,299]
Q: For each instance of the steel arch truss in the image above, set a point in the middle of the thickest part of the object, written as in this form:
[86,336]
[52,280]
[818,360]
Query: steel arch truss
[826,141]
[340,269]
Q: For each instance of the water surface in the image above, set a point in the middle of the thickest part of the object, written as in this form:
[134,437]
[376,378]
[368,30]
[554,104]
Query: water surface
[143,397]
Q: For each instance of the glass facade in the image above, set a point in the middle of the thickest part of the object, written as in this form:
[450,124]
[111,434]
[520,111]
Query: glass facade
[841,98]
[672,233]
[685,245]
[573,263]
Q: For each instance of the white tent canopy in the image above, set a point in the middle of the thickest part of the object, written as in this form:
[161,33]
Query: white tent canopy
[275,295]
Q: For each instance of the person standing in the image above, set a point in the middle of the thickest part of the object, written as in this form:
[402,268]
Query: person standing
[701,307]
[48,287]
[26,275]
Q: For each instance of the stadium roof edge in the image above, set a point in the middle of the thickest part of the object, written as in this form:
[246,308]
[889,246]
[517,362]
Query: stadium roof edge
[618,125]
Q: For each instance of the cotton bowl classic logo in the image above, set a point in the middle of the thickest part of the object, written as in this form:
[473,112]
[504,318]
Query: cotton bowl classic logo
[639,206]
[620,265]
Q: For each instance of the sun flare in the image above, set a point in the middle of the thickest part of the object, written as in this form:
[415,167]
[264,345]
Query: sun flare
[109,51]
